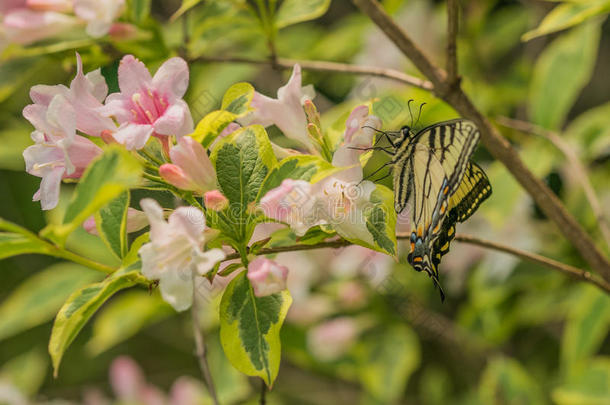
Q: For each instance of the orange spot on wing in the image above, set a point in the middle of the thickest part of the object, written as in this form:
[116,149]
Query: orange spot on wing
[417,259]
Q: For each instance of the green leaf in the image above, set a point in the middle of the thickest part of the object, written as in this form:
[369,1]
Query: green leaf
[506,381]
[296,11]
[386,361]
[27,371]
[111,223]
[37,299]
[124,316]
[560,73]
[235,103]
[237,98]
[243,159]
[13,244]
[567,15]
[381,220]
[132,256]
[303,167]
[590,387]
[250,328]
[211,126]
[139,10]
[107,177]
[184,7]
[80,307]
[586,328]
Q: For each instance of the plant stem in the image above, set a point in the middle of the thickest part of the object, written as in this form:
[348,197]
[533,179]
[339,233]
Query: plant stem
[324,66]
[452,30]
[200,346]
[579,170]
[263,397]
[579,274]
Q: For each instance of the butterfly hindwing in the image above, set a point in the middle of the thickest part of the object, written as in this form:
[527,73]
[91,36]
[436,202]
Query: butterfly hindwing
[473,190]
[428,170]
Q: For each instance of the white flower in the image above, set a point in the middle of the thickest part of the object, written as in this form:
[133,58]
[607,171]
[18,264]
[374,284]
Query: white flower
[175,252]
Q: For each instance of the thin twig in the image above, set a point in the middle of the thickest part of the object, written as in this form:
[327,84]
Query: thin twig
[200,347]
[498,146]
[324,66]
[579,170]
[579,274]
[263,397]
[452,31]
[538,259]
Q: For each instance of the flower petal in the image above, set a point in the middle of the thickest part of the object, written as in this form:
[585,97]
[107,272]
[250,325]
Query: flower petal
[133,75]
[49,188]
[133,136]
[172,78]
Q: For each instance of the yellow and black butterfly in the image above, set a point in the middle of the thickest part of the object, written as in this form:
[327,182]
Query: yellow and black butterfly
[432,170]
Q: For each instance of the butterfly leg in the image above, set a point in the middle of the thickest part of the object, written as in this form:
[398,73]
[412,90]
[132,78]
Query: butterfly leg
[377,171]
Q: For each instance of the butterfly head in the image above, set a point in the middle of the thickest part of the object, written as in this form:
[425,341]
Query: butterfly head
[403,135]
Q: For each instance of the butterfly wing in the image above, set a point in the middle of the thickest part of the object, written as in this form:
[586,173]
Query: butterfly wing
[473,190]
[430,171]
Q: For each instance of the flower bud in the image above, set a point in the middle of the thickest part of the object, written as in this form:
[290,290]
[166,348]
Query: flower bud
[192,158]
[175,176]
[215,200]
[267,276]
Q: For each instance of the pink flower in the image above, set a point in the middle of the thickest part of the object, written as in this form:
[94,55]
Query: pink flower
[293,203]
[175,252]
[339,200]
[58,153]
[23,25]
[215,200]
[85,94]
[192,169]
[136,220]
[150,105]
[286,112]
[267,276]
[99,15]
[332,339]
[359,133]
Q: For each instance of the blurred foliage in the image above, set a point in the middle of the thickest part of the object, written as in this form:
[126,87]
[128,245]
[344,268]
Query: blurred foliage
[510,332]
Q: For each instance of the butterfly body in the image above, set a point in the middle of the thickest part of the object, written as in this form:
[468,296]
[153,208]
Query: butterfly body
[433,172]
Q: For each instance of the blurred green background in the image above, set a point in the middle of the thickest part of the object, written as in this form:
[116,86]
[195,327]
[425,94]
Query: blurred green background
[363,329]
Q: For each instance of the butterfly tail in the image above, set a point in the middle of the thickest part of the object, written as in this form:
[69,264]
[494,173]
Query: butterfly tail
[425,263]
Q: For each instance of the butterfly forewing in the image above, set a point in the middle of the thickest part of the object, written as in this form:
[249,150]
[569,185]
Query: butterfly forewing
[428,169]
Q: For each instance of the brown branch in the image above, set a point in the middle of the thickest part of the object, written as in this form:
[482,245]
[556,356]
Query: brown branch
[452,32]
[579,274]
[323,66]
[538,259]
[579,170]
[498,146]
[200,347]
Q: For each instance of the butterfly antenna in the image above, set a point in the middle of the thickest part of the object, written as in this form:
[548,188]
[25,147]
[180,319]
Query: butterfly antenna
[421,107]
[410,113]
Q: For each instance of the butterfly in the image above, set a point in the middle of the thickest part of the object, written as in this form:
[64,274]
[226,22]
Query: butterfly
[432,171]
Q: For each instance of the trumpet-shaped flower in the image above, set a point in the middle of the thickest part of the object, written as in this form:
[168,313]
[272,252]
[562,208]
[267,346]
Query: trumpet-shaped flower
[175,252]
[192,169]
[286,112]
[85,94]
[150,105]
[136,220]
[267,276]
[58,153]
[99,15]
[340,199]
[28,21]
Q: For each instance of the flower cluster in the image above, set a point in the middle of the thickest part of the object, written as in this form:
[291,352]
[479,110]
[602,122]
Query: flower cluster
[28,21]
[73,124]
